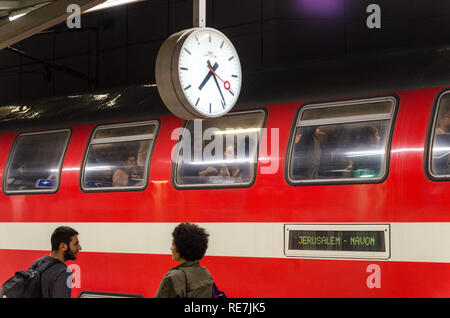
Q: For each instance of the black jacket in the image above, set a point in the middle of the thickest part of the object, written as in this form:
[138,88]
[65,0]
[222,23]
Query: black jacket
[56,281]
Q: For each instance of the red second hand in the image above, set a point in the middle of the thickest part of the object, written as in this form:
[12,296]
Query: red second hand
[226,84]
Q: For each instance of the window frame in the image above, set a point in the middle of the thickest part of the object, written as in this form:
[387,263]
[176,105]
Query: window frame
[343,120]
[117,140]
[429,142]
[254,166]
[60,163]
[97,294]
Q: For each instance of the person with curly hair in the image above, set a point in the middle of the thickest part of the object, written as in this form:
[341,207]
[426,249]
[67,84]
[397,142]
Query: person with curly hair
[189,279]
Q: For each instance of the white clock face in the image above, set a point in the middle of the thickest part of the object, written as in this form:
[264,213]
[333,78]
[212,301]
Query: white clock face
[210,72]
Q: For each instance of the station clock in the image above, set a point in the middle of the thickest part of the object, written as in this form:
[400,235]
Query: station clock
[198,73]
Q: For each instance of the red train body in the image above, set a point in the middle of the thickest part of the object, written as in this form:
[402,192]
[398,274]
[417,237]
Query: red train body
[126,235]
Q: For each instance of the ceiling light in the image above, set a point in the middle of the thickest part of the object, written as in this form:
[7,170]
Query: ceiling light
[21,12]
[109,4]
[12,17]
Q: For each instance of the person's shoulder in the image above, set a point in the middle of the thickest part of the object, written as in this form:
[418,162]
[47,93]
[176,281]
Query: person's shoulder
[43,260]
[174,277]
[174,273]
[197,269]
[57,270]
[205,270]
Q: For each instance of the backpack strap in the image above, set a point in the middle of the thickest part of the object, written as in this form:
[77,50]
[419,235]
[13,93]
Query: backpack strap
[185,281]
[46,265]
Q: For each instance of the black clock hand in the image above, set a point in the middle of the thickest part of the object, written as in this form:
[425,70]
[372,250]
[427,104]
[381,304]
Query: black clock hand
[217,84]
[220,91]
[226,84]
[208,76]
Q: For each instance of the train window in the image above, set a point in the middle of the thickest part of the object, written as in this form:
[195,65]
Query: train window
[342,141]
[35,162]
[219,152]
[439,160]
[118,157]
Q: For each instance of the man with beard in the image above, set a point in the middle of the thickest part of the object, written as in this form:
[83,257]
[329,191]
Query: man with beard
[56,280]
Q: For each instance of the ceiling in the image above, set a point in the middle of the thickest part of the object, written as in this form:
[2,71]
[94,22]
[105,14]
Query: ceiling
[12,7]
[40,15]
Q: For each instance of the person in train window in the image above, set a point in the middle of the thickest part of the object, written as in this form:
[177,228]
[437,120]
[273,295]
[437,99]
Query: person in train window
[20,179]
[229,171]
[366,161]
[121,175]
[441,154]
[444,122]
[55,280]
[189,279]
[307,152]
[135,177]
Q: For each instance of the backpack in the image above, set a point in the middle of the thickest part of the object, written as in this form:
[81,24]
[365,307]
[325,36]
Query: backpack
[26,284]
[216,293]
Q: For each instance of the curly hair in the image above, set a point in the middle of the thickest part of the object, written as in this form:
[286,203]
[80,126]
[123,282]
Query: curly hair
[191,241]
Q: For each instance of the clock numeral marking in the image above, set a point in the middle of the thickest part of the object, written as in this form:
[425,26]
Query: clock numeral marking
[187,51]
[210,108]
[235,76]
[231,58]
[209,38]
[223,103]
[221,44]
[196,38]
[186,88]
[184,68]
[196,103]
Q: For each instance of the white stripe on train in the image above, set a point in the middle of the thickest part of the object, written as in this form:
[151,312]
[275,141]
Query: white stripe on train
[410,242]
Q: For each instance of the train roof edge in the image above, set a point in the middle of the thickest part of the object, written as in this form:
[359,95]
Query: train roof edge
[369,74]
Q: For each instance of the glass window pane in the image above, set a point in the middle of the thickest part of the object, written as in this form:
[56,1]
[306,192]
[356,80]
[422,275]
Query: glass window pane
[343,151]
[125,131]
[220,151]
[440,154]
[348,110]
[118,164]
[36,161]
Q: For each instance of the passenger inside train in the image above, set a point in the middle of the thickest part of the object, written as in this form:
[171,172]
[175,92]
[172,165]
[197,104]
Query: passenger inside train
[123,173]
[353,148]
[35,162]
[366,161]
[337,151]
[309,142]
[237,137]
[224,169]
[136,176]
[104,169]
[118,156]
[441,149]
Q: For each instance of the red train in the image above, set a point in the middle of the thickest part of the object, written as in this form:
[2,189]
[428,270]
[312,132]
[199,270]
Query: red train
[343,197]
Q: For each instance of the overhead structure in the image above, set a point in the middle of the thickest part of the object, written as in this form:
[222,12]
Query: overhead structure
[35,16]
[186,62]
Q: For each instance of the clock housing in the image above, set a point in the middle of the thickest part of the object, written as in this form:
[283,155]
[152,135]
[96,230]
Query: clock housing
[198,73]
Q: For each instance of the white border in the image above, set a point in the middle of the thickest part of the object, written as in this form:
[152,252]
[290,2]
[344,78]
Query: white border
[425,242]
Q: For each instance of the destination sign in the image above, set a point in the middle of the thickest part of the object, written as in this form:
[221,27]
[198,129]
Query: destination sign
[362,241]
[338,240]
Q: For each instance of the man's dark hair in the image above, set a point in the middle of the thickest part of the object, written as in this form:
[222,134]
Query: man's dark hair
[191,241]
[62,234]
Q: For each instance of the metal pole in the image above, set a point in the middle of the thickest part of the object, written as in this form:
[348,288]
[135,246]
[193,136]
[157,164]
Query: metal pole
[199,13]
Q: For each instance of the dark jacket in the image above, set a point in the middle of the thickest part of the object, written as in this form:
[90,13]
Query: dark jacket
[56,281]
[174,284]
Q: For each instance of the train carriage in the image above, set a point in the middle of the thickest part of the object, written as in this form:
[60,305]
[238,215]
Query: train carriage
[324,197]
